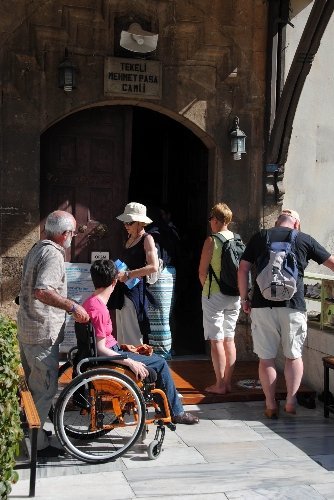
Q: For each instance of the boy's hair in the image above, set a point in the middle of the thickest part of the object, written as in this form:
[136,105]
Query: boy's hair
[103,273]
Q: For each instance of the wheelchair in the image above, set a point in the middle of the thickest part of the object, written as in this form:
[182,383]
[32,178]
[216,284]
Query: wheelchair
[103,411]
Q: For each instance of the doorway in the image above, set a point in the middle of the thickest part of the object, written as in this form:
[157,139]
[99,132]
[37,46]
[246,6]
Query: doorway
[97,160]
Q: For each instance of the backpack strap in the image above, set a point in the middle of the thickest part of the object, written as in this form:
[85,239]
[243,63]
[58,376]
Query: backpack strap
[265,234]
[293,236]
[220,237]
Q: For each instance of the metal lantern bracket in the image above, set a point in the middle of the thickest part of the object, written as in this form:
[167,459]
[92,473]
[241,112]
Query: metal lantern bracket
[67,74]
[238,140]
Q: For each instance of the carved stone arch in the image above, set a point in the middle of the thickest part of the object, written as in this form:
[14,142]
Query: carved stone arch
[184,120]
[53,131]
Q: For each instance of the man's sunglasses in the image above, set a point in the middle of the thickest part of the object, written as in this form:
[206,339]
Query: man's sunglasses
[129,223]
[74,234]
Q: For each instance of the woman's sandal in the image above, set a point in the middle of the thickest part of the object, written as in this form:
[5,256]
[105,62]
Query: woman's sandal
[272,413]
[291,409]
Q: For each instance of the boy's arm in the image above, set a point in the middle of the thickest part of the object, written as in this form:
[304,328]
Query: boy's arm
[138,368]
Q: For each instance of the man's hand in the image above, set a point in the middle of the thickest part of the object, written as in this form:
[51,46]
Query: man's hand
[52,298]
[246,306]
[138,368]
[80,315]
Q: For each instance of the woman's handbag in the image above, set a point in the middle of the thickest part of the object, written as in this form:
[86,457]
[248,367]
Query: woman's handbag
[153,277]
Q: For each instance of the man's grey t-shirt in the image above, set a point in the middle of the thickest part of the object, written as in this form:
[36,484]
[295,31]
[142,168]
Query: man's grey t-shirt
[43,269]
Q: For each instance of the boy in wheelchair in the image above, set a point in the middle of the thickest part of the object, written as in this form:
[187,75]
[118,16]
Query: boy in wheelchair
[104,277]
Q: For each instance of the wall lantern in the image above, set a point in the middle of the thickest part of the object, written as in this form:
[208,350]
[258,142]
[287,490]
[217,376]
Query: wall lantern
[67,74]
[238,140]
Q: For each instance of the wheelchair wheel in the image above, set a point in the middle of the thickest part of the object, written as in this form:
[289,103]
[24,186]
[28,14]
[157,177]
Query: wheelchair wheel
[65,372]
[153,450]
[109,424]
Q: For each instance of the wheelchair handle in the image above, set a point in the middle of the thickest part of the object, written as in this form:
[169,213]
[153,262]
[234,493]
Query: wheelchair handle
[100,359]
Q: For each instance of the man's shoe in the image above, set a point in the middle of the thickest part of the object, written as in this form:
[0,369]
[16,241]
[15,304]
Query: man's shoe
[47,433]
[185,418]
[50,451]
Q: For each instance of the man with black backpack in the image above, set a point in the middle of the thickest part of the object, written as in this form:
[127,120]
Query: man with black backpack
[220,297]
[277,306]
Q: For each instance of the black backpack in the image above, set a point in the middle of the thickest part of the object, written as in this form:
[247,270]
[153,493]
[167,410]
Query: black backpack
[232,251]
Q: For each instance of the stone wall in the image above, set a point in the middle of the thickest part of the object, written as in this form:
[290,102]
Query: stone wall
[213,68]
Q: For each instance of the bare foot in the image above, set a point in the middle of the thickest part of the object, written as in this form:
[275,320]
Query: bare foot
[214,389]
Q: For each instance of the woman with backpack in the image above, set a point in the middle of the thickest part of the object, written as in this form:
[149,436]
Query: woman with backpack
[220,300]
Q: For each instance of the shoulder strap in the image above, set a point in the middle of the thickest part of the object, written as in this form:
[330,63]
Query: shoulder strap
[223,240]
[293,236]
[265,234]
[220,237]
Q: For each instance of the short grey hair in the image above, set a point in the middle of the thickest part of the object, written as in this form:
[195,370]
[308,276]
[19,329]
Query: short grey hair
[58,222]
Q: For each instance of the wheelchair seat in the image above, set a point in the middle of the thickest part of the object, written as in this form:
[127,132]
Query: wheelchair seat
[87,349]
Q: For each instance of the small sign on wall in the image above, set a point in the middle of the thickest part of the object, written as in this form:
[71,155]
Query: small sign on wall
[99,256]
[132,77]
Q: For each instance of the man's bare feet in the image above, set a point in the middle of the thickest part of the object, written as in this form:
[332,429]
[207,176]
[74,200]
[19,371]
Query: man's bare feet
[215,389]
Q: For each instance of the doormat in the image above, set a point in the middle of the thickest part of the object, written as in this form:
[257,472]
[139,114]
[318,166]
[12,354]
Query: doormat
[192,376]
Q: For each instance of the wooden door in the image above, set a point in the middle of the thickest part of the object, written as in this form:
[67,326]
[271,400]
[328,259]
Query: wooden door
[85,169]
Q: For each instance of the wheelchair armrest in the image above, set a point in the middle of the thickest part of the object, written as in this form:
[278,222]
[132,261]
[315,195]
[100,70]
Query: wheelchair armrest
[100,359]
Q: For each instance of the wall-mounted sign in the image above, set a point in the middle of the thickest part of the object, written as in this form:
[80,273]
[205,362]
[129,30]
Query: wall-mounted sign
[132,77]
[79,288]
[99,256]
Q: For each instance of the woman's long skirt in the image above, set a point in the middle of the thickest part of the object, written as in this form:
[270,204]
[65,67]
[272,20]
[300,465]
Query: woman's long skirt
[160,337]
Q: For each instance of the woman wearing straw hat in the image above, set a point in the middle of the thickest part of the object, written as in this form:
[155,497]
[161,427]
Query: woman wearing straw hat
[141,259]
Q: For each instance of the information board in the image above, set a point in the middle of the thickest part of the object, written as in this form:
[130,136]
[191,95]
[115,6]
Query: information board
[79,288]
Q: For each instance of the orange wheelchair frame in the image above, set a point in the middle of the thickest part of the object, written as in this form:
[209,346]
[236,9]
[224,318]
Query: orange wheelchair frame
[104,410]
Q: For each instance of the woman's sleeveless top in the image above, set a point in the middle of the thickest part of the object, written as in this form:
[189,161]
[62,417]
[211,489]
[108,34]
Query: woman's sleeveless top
[215,263]
[135,257]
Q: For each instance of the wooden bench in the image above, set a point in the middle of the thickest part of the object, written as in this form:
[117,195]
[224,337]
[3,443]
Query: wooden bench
[328,362]
[30,420]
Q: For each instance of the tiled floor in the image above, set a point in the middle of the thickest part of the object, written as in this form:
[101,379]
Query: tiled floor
[234,453]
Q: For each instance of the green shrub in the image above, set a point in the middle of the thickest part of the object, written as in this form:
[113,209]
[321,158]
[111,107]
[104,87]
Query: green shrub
[10,429]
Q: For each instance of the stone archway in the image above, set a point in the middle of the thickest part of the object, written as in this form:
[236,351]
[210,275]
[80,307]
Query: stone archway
[96,160]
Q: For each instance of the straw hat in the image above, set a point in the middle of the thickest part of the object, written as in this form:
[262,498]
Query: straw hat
[134,212]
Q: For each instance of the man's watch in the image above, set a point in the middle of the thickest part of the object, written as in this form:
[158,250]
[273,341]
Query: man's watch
[73,309]
[244,300]
[127,274]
